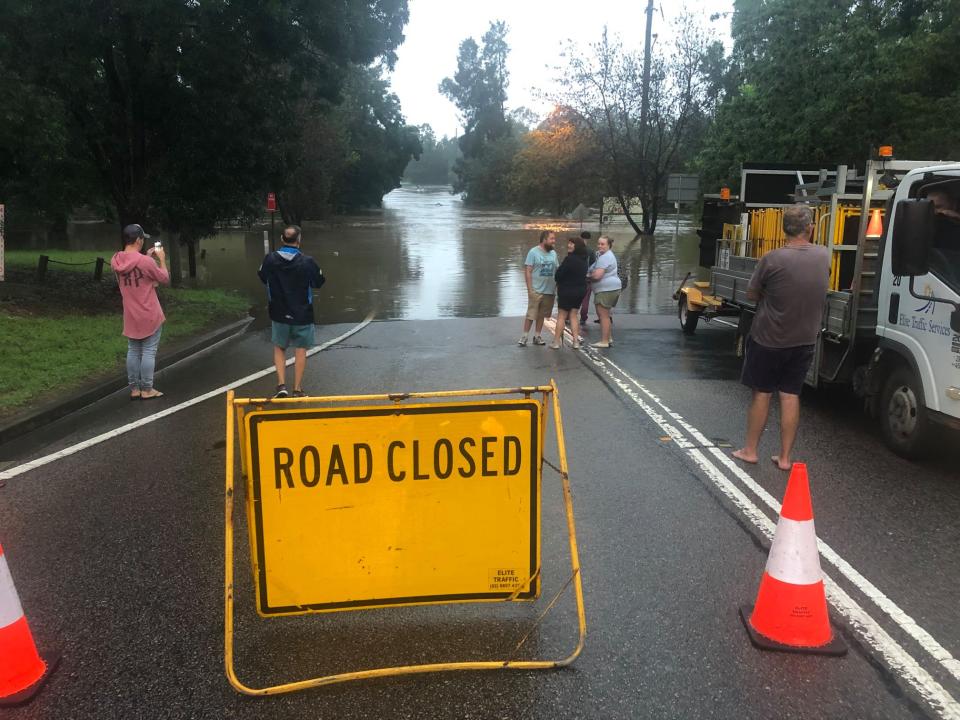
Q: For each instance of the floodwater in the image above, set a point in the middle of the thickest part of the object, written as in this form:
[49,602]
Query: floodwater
[425,255]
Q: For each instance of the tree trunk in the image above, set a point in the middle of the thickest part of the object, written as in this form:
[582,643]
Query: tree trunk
[650,207]
[192,258]
[173,265]
[627,215]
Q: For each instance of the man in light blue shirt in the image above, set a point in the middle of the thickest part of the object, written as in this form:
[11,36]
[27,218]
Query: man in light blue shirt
[539,270]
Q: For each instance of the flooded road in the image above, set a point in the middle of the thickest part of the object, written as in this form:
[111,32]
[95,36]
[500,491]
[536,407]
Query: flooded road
[426,256]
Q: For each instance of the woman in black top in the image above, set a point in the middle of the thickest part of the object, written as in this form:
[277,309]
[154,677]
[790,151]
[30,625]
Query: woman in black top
[571,287]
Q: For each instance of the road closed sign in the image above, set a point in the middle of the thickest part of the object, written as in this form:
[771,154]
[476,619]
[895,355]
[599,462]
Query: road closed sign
[368,507]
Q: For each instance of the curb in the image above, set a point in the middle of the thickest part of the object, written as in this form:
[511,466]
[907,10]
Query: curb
[22,424]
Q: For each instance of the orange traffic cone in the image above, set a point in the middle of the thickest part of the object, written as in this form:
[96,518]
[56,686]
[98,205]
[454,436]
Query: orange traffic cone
[875,226]
[22,670]
[791,609]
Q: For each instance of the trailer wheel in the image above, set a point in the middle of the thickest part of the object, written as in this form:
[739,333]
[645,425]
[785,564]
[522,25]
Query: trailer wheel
[903,417]
[688,318]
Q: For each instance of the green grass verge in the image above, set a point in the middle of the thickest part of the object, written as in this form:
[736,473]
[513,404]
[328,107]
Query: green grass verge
[41,355]
[30,259]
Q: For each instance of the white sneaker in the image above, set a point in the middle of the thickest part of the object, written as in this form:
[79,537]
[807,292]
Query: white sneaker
[600,345]
[537,340]
[522,342]
[554,346]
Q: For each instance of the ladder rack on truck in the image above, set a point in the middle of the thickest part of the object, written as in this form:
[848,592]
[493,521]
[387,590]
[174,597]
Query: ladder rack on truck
[868,337]
[842,203]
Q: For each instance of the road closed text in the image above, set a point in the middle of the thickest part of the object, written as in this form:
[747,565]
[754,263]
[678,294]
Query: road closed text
[397,461]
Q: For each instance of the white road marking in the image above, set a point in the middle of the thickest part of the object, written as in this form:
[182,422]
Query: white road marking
[894,611]
[896,657]
[103,437]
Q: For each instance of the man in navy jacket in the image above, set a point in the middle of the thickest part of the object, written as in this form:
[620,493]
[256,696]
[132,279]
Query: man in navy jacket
[290,277]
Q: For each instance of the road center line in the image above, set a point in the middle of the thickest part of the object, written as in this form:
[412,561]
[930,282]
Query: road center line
[896,657]
[110,434]
[888,606]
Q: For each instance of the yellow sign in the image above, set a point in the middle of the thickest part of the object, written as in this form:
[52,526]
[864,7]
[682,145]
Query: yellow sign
[361,507]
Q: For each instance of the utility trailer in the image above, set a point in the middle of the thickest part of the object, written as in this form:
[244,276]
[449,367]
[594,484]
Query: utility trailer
[899,350]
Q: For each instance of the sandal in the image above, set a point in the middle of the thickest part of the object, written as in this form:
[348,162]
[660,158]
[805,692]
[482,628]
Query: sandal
[156,394]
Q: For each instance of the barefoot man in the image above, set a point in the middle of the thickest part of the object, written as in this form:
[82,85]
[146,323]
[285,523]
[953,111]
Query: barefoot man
[789,286]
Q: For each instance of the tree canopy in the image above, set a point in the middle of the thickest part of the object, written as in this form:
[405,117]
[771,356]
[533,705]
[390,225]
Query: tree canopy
[435,164]
[489,140]
[175,112]
[820,81]
[557,166]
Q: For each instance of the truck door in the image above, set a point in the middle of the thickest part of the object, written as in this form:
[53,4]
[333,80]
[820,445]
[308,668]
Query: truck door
[919,329]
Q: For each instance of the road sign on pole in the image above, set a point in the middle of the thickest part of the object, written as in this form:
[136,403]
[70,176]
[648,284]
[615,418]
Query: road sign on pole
[272,209]
[683,189]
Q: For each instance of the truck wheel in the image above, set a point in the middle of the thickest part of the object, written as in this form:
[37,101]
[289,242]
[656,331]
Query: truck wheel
[688,318]
[903,417]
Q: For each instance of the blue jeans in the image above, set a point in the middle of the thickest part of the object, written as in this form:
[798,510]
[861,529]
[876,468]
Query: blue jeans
[141,360]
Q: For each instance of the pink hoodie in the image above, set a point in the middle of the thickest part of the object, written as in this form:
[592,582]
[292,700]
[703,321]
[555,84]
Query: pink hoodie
[137,276]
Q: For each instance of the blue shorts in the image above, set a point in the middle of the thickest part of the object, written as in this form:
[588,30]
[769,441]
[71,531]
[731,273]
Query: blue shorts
[298,336]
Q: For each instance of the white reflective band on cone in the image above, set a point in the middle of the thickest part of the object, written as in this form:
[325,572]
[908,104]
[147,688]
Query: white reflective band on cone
[794,557]
[10,610]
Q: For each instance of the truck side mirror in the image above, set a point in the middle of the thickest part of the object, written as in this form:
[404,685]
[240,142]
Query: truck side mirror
[912,238]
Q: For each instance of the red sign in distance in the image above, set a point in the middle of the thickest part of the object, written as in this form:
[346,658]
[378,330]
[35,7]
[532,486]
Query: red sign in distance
[271,202]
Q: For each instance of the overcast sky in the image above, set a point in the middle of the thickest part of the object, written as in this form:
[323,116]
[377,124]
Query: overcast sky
[538,28]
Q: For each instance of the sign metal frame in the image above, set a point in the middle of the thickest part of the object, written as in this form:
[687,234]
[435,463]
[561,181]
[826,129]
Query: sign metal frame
[236,410]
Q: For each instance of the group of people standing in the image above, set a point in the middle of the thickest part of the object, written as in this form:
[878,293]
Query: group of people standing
[570,284]
[289,275]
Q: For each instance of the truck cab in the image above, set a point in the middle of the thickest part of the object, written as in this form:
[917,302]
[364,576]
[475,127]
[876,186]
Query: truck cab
[915,370]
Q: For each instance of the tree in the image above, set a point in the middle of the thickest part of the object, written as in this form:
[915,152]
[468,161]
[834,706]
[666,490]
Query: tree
[348,155]
[435,165]
[381,142]
[182,106]
[479,90]
[43,175]
[556,165]
[604,88]
[884,71]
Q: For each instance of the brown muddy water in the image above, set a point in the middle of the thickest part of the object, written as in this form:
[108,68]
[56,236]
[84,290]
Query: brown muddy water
[425,255]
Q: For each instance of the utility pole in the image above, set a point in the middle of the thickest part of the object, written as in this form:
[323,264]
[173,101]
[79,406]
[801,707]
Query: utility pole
[645,101]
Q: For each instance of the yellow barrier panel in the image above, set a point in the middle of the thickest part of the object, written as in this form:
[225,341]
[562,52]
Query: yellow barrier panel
[313,473]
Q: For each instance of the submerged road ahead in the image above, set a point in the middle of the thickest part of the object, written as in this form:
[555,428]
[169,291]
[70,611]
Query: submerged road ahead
[117,553]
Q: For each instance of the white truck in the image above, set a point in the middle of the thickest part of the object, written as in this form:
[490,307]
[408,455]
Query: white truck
[891,321]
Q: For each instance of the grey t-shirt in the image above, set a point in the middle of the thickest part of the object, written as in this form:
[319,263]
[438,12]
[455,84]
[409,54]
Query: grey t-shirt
[610,280]
[792,282]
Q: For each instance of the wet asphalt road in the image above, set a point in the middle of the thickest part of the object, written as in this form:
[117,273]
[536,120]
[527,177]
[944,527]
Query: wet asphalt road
[118,559]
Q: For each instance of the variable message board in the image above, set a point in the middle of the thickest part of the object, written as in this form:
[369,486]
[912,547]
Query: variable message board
[362,507]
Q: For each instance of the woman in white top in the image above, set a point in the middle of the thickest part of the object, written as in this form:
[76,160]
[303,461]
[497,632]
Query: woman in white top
[606,287]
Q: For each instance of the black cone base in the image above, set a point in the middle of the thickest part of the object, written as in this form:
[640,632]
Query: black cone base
[52,659]
[836,647]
